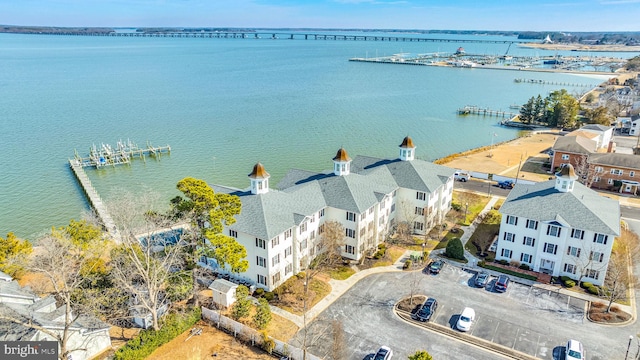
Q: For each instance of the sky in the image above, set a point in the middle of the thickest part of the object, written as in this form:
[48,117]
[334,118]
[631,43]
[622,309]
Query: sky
[517,15]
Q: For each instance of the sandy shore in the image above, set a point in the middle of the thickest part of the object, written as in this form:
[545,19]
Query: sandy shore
[582,47]
[504,159]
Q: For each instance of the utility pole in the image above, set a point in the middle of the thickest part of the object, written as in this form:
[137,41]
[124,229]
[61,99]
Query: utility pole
[518,173]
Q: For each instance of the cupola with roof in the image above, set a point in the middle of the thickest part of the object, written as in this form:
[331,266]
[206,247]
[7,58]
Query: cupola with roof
[341,163]
[407,149]
[259,180]
[566,178]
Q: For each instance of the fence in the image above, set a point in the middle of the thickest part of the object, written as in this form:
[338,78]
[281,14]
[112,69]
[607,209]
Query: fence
[252,336]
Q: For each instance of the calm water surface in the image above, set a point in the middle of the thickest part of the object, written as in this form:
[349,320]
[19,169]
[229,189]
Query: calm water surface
[223,105]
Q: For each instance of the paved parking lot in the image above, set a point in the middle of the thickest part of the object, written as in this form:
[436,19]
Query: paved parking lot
[526,319]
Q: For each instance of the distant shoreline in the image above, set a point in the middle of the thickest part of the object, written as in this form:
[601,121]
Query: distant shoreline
[583,47]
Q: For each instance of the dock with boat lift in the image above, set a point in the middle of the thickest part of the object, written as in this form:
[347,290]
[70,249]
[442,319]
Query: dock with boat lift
[106,155]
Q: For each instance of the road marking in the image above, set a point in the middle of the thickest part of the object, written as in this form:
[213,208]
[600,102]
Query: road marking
[495,331]
[515,339]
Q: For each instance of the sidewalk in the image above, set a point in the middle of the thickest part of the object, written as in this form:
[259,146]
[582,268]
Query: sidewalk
[338,288]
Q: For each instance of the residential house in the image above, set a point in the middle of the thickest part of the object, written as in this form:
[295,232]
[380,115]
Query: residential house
[281,228]
[559,227]
[88,335]
[573,150]
[634,129]
[607,168]
[601,134]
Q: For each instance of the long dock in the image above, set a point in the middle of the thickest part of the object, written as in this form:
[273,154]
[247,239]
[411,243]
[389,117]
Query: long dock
[94,199]
[476,110]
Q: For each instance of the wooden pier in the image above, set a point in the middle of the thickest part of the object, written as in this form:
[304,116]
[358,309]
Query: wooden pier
[476,110]
[94,199]
[545,82]
[123,153]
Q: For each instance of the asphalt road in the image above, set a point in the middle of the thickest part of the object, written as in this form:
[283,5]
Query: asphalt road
[524,318]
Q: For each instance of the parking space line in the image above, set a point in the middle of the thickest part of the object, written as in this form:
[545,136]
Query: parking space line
[515,339]
[537,346]
[495,331]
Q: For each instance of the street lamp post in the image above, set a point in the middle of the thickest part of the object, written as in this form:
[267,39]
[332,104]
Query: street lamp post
[628,346]
[466,209]
[424,245]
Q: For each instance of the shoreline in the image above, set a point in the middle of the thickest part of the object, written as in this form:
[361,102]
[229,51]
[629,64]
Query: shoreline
[582,47]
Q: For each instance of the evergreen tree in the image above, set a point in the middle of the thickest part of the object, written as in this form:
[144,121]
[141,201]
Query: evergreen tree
[455,250]
[242,307]
[527,111]
[420,355]
[262,317]
[13,254]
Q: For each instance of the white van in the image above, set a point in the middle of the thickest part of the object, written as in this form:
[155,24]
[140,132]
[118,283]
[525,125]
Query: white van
[461,176]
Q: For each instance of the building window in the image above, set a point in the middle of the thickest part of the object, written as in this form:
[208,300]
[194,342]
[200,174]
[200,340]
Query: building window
[275,260]
[610,181]
[303,227]
[573,251]
[260,261]
[565,156]
[577,234]
[599,169]
[553,230]
[287,251]
[600,239]
[419,211]
[393,207]
[262,279]
[275,241]
[321,214]
[570,268]
[363,231]
[287,234]
[512,220]
[350,233]
[526,258]
[596,256]
[632,173]
[616,172]
[596,179]
[288,269]
[509,237]
[420,195]
[363,216]
[532,224]
[351,216]
[550,248]
[593,274]
[418,225]
[312,235]
[312,219]
[371,210]
[349,249]
[261,243]
[529,241]
[303,244]
[275,278]
[506,253]
[233,233]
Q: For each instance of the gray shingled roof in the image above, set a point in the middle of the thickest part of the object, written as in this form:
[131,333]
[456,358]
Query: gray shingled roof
[581,208]
[596,127]
[575,144]
[628,161]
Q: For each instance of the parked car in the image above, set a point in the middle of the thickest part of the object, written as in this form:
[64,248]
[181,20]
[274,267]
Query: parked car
[466,319]
[426,310]
[502,283]
[574,350]
[461,176]
[436,266]
[384,353]
[482,278]
[506,184]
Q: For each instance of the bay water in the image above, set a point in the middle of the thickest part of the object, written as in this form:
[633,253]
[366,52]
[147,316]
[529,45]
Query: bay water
[225,104]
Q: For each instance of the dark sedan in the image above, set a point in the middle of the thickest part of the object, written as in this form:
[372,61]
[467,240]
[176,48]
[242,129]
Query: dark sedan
[436,266]
[426,310]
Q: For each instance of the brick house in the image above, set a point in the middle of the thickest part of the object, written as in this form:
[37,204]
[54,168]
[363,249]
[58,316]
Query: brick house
[610,167]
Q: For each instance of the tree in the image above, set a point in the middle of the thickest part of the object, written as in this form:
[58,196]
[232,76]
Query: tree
[586,173]
[414,285]
[13,254]
[64,266]
[527,111]
[454,249]
[620,278]
[242,306]
[599,115]
[420,355]
[262,317]
[142,264]
[562,109]
[208,212]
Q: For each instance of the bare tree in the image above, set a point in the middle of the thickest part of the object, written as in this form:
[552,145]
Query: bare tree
[414,285]
[620,277]
[587,257]
[585,172]
[411,214]
[64,266]
[144,262]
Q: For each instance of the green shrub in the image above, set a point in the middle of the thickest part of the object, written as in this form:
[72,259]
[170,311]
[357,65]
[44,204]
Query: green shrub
[379,254]
[594,290]
[382,246]
[269,296]
[569,283]
[147,341]
[259,292]
[268,344]
[455,250]
[503,262]
[482,263]
[564,278]
[525,267]
[490,259]
[455,206]
[301,275]
[407,264]
[586,285]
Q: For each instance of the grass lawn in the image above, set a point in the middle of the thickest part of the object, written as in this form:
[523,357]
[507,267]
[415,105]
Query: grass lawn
[485,232]
[471,204]
[341,273]
[392,255]
[291,296]
[457,233]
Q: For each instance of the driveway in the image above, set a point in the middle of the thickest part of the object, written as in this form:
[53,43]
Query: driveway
[536,322]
